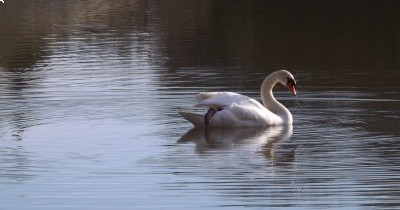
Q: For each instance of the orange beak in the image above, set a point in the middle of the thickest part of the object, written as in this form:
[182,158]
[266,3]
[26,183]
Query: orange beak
[291,89]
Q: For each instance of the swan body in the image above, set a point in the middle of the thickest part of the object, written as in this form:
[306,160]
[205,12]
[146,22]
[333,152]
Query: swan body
[228,109]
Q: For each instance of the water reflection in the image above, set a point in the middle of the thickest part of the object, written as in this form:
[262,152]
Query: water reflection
[17,165]
[273,142]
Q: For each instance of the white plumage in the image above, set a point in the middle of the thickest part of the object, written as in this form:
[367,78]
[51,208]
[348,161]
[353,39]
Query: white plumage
[228,109]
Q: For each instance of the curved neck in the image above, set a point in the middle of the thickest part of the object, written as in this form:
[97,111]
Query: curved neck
[270,102]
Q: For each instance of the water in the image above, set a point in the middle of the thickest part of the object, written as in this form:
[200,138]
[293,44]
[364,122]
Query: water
[89,93]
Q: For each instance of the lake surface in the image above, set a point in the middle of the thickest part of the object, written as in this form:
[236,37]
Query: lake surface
[89,92]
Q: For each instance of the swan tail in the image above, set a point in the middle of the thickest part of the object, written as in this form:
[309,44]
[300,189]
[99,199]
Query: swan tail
[196,119]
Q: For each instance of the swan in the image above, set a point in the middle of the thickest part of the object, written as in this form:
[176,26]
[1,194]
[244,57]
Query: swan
[228,109]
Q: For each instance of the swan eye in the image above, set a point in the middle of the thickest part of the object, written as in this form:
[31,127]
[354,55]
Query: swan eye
[290,81]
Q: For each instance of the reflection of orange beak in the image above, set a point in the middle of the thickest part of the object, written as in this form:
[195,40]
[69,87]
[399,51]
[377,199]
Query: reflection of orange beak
[291,89]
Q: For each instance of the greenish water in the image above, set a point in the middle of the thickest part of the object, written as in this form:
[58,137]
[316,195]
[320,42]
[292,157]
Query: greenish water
[89,92]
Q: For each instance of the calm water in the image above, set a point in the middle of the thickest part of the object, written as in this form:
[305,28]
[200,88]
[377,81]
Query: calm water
[89,92]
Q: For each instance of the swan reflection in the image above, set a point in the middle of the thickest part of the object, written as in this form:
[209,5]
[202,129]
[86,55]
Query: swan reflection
[273,142]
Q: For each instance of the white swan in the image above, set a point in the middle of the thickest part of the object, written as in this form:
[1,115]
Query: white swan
[227,109]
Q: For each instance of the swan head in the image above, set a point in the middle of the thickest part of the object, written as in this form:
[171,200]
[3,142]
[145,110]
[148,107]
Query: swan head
[286,78]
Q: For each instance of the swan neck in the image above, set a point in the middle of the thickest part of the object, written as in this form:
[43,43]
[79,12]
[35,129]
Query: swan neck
[270,102]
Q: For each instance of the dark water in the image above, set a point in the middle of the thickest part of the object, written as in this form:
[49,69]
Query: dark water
[89,92]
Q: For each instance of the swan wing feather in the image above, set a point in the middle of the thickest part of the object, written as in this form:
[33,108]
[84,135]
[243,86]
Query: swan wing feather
[236,109]
[246,114]
[220,99]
